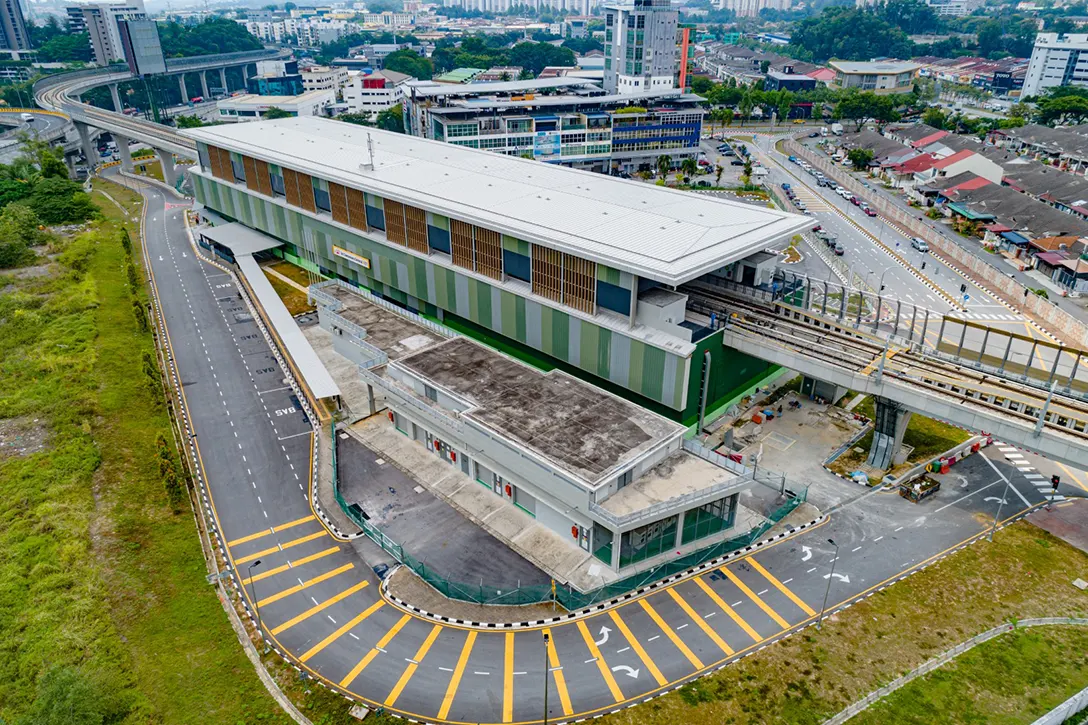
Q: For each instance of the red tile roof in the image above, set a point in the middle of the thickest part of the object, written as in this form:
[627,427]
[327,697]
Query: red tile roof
[918,163]
[927,140]
[976,183]
[954,158]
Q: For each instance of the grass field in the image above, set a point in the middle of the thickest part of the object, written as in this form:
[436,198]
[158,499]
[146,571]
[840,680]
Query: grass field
[810,676]
[1012,679]
[149,168]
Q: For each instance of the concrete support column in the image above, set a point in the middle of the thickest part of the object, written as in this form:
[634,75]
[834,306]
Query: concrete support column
[888,429]
[223,80]
[169,173]
[123,149]
[245,74]
[89,149]
[184,90]
[204,85]
[70,161]
[116,96]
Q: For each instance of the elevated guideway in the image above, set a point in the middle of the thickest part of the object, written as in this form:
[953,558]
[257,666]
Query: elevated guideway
[1019,390]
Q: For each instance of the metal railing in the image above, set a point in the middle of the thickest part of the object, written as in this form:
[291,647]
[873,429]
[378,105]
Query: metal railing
[420,320]
[407,398]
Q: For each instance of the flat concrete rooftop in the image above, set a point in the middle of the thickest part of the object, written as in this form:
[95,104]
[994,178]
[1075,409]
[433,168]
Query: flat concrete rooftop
[677,475]
[578,427]
[393,334]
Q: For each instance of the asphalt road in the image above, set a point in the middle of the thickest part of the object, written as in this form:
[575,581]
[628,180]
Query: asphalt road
[321,606]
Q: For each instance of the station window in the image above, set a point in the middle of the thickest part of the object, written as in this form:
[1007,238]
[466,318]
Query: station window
[710,518]
[275,176]
[321,195]
[375,211]
[238,167]
[647,541]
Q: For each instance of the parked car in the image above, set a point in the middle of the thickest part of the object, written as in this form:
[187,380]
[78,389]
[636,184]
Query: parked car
[793,159]
[919,244]
[785,185]
[855,201]
[736,162]
[869,211]
[839,249]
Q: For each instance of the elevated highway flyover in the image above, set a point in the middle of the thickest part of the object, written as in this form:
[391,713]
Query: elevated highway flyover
[1022,391]
[61,93]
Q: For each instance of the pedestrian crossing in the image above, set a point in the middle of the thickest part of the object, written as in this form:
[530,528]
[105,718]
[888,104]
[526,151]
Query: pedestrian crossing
[1028,471]
[813,201]
[989,317]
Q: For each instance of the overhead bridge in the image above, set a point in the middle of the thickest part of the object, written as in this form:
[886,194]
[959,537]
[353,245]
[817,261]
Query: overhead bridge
[1021,391]
[61,93]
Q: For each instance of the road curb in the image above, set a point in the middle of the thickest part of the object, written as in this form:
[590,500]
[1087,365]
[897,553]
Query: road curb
[602,606]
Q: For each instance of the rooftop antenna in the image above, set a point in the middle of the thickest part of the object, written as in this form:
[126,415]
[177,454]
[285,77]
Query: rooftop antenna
[369,165]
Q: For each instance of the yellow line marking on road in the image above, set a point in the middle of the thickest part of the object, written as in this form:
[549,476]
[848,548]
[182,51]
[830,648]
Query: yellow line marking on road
[342,631]
[290,565]
[671,634]
[413,666]
[727,609]
[596,652]
[281,547]
[308,583]
[637,647]
[1073,476]
[458,671]
[274,529]
[508,680]
[754,597]
[369,656]
[557,672]
[702,623]
[324,605]
[781,587]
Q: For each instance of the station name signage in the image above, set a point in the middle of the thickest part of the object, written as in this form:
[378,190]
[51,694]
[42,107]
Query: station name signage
[351,256]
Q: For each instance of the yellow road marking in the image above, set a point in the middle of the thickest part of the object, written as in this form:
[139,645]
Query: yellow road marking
[781,587]
[754,597]
[707,629]
[324,605]
[1073,476]
[727,609]
[308,583]
[412,666]
[369,656]
[342,631]
[605,672]
[557,672]
[508,680]
[289,565]
[637,647]
[671,634]
[281,547]
[266,532]
[455,681]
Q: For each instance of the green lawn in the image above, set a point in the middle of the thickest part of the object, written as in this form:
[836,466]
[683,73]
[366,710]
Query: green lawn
[812,675]
[1012,679]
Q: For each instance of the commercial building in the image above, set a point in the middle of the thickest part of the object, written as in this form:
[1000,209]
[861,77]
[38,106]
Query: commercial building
[1057,60]
[142,48]
[13,35]
[374,92]
[250,107]
[880,77]
[955,8]
[100,21]
[640,40]
[324,78]
[787,80]
[562,120]
[587,272]
[751,8]
[276,78]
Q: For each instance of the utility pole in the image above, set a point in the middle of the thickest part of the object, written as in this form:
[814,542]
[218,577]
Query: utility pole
[547,664]
[823,607]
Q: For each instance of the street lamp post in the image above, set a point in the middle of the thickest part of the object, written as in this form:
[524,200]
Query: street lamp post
[253,593]
[823,607]
[1004,494]
[547,660]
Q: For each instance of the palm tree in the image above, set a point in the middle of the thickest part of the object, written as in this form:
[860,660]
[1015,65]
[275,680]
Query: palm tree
[664,163]
[690,167]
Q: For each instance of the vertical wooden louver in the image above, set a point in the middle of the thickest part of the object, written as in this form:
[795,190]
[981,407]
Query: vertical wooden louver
[250,166]
[461,243]
[290,186]
[489,253]
[547,273]
[395,231]
[416,224]
[339,203]
[216,161]
[357,209]
[579,283]
[306,191]
[264,183]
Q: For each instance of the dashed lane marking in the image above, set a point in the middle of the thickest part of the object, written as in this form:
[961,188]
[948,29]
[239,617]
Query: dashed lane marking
[458,672]
[755,598]
[280,547]
[700,621]
[413,666]
[613,687]
[305,585]
[780,586]
[369,656]
[320,607]
[343,629]
[727,609]
[675,638]
[650,665]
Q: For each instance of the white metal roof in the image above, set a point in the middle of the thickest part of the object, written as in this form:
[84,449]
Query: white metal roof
[880,66]
[467,89]
[664,234]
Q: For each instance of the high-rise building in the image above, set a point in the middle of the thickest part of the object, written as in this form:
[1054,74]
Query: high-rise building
[13,33]
[640,46]
[1057,60]
[141,46]
[101,21]
[751,8]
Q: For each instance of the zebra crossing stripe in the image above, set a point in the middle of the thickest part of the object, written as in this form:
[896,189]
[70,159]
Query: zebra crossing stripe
[1033,475]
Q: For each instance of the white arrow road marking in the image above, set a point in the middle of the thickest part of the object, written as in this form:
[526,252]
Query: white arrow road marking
[604,636]
[841,577]
[629,671]
[995,498]
[806,553]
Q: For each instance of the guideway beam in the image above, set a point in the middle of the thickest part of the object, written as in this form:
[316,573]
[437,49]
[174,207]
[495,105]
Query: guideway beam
[888,430]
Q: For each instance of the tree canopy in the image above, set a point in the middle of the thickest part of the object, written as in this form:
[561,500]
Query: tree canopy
[214,35]
[409,62]
[849,34]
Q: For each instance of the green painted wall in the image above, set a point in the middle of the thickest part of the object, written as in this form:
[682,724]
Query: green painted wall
[730,372]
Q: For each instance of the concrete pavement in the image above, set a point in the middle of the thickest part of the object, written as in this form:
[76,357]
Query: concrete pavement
[321,608]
